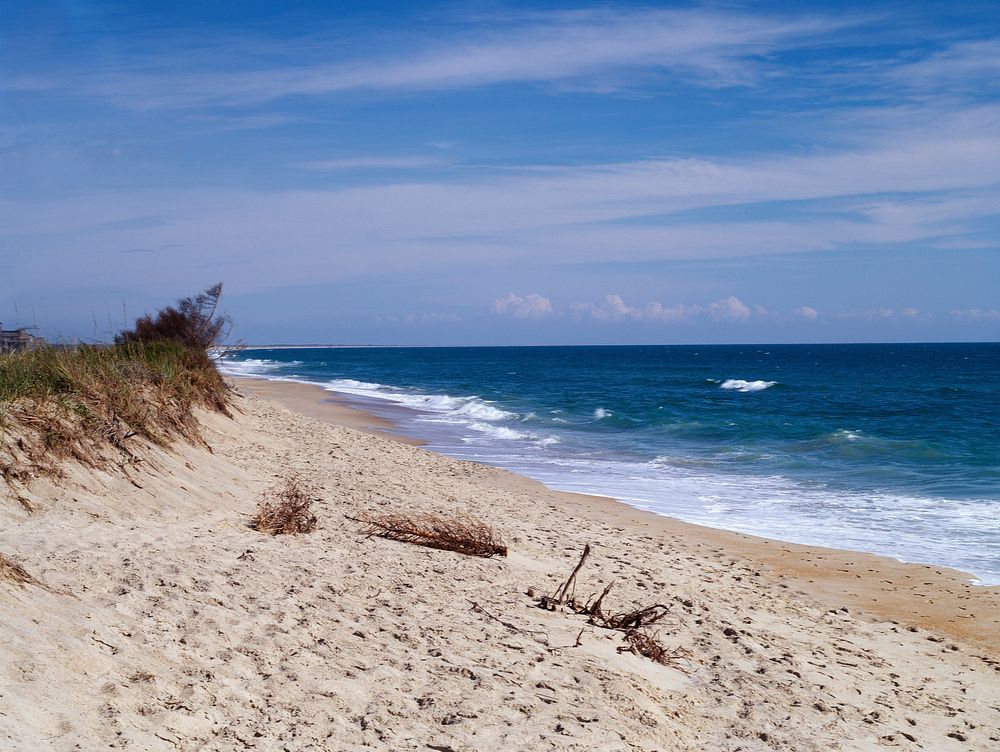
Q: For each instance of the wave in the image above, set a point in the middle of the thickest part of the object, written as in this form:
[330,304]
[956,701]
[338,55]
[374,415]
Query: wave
[259,367]
[740,385]
[602,413]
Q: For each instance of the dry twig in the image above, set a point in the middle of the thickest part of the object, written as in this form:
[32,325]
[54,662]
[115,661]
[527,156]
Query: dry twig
[645,644]
[566,592]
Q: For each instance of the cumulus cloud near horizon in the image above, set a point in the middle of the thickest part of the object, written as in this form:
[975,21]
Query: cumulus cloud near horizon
[614,308]
[531,306]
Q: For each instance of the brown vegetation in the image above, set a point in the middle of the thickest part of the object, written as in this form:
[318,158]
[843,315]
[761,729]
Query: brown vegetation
[195,322]
[11,571]
[286,510]
[460,533]
[76,403]
[635,624]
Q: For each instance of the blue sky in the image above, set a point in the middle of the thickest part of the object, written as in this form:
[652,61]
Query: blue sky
[505,173]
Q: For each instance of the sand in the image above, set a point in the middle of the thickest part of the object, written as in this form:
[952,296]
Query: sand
[161,621]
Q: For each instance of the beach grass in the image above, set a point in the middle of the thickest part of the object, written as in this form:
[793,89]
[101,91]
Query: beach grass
[11,571]
[59,402]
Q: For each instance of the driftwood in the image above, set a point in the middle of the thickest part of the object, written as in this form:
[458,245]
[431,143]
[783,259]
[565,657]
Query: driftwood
[460,533]
[635,624]
[563,594]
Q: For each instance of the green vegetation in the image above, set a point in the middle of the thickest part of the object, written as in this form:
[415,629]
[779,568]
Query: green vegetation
[59,403]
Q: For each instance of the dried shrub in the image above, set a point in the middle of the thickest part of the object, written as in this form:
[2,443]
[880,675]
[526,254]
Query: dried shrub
[286,510]
[11,571]
[460,533]
[194,322]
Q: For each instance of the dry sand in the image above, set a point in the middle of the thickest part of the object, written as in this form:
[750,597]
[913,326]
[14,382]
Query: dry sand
[163,622]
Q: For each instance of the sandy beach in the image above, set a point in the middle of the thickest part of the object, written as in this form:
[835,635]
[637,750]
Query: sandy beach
[161,621]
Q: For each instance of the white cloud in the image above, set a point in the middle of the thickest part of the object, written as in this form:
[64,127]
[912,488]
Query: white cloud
[531,306]
[964,64]
[729,309]
[614,308]
[600,50]
[807,312]
[372,162]
[978,314]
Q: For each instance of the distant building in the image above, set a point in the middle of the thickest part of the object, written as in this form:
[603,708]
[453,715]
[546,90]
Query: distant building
[12,340]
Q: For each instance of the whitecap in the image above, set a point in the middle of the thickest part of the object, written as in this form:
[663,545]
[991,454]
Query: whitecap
[746,386]
[260,367]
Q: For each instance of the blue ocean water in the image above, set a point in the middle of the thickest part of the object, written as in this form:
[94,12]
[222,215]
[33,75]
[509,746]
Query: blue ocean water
[893,449]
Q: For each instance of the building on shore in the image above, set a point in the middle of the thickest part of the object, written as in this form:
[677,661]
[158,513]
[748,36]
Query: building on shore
[13,340]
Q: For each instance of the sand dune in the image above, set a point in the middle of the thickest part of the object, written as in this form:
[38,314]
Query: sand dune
[163,622]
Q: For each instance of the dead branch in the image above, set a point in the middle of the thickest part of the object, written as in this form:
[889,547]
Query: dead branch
[560,598]
[596,614]
[641,617]
[460,533]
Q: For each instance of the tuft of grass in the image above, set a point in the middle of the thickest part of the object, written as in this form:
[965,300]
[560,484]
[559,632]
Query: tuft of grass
[11,571]
[61,403]
[460,533]
[286,510]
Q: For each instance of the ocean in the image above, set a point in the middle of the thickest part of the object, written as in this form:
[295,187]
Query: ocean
[892,449]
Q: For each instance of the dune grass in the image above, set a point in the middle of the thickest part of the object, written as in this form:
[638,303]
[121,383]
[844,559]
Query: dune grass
[57,403]
[11,571]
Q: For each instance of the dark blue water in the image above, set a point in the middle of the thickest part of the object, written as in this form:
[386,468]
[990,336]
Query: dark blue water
[887,448]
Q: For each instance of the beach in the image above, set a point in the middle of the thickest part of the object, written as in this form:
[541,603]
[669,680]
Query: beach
[160,620]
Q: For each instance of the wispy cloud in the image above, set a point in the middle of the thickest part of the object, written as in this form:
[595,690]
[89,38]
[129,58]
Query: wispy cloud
[977,314]
[373,163]
[597,49]
[968,65]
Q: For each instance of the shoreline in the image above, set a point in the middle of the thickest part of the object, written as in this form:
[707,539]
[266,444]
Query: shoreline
[158,618]
[924,596]
[316,402]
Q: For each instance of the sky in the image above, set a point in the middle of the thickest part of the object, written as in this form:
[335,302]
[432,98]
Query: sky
[487,173]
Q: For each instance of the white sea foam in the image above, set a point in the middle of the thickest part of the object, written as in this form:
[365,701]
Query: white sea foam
[501,432]
[260,367]
[846,435]
[777,507]
[471,411]
[746,386]
[602,413]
